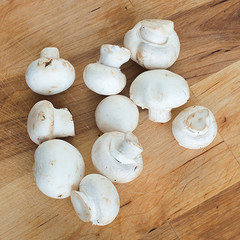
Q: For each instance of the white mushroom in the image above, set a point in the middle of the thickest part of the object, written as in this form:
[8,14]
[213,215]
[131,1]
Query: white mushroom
[195,127]
[97,200]
[46,122]
[153,43]
[159,91]
[116,113]
[105,77]
[50,74]
[58,168]
[117,156]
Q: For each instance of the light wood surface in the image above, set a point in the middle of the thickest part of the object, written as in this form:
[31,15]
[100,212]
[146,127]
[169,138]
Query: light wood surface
[181,193]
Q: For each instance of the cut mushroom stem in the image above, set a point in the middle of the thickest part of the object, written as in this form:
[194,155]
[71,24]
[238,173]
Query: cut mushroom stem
[156,32]
[50,52]
[113,56]
[81,205]
[97,200]
[159,116]
[198,121]
[63,123]
[128,149]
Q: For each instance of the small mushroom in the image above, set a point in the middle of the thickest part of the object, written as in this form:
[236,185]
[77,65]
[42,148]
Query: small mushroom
[105,77]
[159,91]
[153,43]
[58,168]
[195,127]
[116,113]
[46,122]
[50,74]
[97,200]
[117,156]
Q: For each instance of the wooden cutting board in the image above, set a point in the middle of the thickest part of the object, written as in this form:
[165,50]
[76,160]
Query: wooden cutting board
[181,193]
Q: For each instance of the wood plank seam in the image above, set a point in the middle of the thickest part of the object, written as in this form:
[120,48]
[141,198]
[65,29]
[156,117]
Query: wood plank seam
[173,230]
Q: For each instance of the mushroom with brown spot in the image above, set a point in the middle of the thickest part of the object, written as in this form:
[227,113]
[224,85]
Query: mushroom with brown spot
[153,43]
[46,122]
[50,74]
[97,200]
[58,168]
[105,77]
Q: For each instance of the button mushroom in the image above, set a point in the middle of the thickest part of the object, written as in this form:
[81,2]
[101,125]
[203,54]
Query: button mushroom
[116,113]
[58,168]
[97,200]
[105,77]
[159,91]
[46,122]
[50,74]
[195,127]
[153,43]
[118,156]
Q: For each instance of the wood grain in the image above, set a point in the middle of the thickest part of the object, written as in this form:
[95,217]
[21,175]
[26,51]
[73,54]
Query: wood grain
[176,195]
[217,218]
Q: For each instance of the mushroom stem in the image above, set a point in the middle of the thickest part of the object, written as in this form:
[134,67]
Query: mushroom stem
[63,125]
[50,52]
[81,205]
[198,121]
[157,33]
[127,150]
[113,56]
[159,116]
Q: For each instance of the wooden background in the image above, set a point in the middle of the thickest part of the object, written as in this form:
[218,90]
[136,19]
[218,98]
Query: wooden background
[181,194]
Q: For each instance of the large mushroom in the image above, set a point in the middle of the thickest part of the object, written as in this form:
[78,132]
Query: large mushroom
[117,156]
[50,74]
[195,127]
[116,113]
[97,200]
[105,77]
[153,43]
[46,122]
[159,91]
[58,168]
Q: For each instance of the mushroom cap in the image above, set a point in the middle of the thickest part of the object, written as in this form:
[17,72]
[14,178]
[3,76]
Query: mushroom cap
[159,90]
[40,121]
[47,76]
[195,127]
[97,200]
[103,79]
[153,43]
[116,113]
[110,167]
[58,168]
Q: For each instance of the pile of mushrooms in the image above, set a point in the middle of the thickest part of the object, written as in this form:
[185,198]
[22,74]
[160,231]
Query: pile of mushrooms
[59,167]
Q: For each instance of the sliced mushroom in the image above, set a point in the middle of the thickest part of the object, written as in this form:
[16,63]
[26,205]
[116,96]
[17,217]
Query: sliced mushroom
[46,122]
[195,127]
[50,74]
[159,91]
[105,77]
[97,200]
[116,113]
[117,156]
[58,168]
[153,43]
